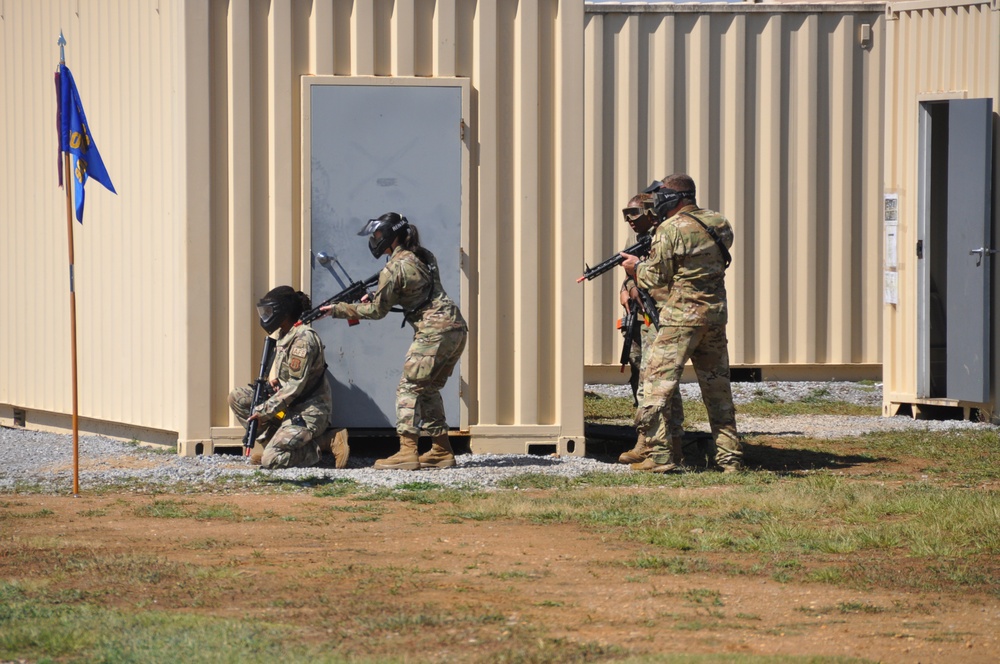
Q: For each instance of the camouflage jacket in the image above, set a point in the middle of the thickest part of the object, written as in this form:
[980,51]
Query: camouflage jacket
[629,283]
[300,367]
[685,271]
[415,287]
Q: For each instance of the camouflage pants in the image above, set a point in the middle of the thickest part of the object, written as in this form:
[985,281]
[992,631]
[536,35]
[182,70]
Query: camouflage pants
[429,363]
[707,348]
[288,444]
[675,421]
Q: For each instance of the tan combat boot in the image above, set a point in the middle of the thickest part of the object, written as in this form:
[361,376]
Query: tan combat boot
[341,450]
[674,463]
[405,459]
[440,455]
[653,466]
[637,454]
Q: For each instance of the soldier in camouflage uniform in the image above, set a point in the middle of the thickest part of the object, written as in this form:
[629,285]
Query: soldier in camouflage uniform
[639,216]
[294,418]
[685,273]
[411,281]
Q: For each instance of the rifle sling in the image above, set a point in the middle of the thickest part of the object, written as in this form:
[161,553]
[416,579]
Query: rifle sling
[726,256]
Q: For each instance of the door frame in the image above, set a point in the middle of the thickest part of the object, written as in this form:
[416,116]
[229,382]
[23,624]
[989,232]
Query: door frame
[467,267]
[925,136]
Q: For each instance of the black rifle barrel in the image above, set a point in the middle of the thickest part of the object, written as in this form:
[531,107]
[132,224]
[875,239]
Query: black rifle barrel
[630,325]
[259,390]
[640,248]
[352,293]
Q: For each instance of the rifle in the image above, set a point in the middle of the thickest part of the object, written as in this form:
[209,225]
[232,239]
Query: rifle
[630,325]
[261,391]
[649,306]
[353,293]
[640,248]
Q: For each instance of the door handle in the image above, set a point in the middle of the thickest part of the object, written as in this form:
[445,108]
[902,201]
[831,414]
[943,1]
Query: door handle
[980,252]
[330,261]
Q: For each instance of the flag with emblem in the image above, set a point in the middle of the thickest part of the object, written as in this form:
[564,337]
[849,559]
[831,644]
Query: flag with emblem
[76,139]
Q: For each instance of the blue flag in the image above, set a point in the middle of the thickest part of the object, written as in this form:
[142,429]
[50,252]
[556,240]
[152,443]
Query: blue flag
[76,139]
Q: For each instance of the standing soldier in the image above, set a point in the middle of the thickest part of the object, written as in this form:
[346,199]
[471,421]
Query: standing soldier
[641,219]
[685,272]
[410,280]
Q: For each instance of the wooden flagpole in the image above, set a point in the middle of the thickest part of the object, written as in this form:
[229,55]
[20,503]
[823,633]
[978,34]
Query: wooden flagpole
[72,330]
[72,294]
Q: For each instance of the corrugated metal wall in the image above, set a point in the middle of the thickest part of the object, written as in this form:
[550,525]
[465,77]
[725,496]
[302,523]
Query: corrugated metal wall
[195,106]
[131,250]
[935,50]
[524,63]
[775,111]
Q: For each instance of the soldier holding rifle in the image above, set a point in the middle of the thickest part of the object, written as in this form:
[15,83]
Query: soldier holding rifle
[685,273]
[410,281]
[295,413]
[640,217]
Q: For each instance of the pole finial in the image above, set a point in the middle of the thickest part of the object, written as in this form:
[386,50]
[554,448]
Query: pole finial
[62,48]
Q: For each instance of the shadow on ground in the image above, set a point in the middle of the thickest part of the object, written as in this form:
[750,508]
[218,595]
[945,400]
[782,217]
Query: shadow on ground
[607,441]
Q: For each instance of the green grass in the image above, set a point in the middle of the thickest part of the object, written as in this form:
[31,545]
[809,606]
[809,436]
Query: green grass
[929,525]
[47,630]
[947,532]
[598,408]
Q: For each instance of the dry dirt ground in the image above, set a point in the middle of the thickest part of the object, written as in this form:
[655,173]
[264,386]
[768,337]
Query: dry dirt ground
[378,579]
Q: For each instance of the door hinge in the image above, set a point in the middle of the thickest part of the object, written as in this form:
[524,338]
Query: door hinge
[461,129]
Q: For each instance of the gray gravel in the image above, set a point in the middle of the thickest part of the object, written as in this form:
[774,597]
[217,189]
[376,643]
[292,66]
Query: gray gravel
[37,461]
[856,393]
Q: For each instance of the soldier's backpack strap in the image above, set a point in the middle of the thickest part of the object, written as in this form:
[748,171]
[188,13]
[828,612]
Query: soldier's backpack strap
[726,256]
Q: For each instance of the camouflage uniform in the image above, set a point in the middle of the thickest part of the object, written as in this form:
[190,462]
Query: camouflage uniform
[639,359]
[303,395]
[439,337]
[685,273]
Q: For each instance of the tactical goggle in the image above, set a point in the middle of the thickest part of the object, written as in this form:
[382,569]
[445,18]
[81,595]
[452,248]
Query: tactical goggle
[633,213]
[265,311]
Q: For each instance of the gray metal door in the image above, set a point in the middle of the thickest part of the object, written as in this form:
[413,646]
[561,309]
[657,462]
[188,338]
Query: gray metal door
[376,149]
[970,145]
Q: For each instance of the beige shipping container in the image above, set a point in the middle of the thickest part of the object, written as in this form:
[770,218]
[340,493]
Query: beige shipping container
[197,110]
[775,110]
[940,209]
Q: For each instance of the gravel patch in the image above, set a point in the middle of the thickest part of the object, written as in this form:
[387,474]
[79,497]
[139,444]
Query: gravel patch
[861,394]
[35,461]
[39,461]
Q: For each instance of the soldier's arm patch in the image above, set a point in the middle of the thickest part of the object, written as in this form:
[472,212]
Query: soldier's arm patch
[295,365]
[299,350]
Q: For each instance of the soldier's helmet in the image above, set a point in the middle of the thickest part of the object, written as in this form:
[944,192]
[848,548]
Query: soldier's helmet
[276,305]
[664,198]
[384,230]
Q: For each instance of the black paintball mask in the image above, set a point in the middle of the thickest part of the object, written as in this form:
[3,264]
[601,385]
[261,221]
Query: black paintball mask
[384,231]
[664,199]
[273,307]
